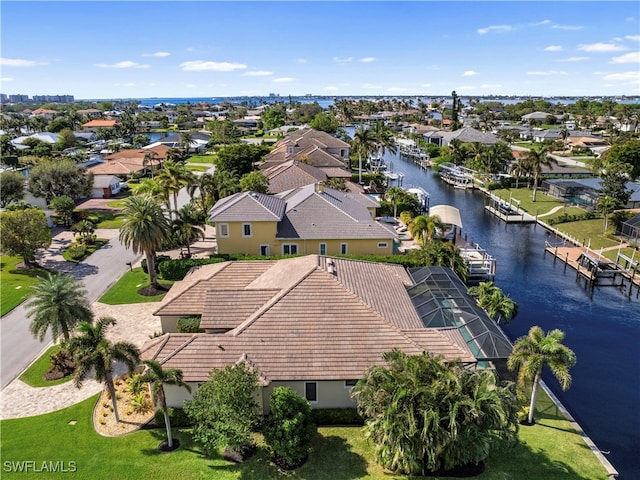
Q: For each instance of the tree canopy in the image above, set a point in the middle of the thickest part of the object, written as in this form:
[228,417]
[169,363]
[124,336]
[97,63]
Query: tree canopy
[23,232]
[240,157]
[11,187]
[424,414]
[53,178]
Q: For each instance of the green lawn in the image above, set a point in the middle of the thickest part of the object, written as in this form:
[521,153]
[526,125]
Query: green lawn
[628,251]
[548,450]
[202,159]
[589,232]
[15,284]
[100,242]
[125,290]
[107,219]
[34,375]
[197,168]
[119,203]
[543,204]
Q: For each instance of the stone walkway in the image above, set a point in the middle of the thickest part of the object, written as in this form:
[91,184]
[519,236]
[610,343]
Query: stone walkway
[136,324]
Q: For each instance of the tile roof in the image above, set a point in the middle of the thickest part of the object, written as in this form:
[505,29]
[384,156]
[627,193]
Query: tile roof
[100,123]
[292,174]
[248,206]
[322,319]
[310,146]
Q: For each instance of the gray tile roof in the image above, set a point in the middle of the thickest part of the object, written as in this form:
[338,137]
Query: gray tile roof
[245,206]
[292,174]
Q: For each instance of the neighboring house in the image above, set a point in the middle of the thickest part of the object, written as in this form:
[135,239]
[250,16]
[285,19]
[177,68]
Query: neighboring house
[293,174]
[199,143]
[46,137]
[316,323]
[313,147]
[465,135]
[585,191]
[630,230]
[106,186]
[130,162]
[94,125]
[309,219]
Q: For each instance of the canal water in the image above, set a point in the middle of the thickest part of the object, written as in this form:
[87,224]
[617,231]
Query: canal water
[603,329]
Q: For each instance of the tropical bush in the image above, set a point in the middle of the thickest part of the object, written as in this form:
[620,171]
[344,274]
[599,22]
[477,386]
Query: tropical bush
[177,418]
[336,416]
[159,260]
[189,325]
[289,429]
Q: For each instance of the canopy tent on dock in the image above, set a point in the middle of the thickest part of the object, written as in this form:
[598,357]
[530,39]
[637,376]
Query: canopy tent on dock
[447,214]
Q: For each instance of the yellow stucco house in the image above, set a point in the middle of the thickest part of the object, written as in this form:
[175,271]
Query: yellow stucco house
[308,220]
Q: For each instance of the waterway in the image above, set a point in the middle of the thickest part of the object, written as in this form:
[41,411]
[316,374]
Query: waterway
[603,330]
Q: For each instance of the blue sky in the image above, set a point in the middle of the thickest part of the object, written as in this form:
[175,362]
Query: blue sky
[213,49]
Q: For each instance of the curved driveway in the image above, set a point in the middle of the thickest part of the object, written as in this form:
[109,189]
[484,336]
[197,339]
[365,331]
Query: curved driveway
[98,272]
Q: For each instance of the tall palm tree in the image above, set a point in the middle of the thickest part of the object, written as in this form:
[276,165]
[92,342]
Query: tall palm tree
[150,158]
[423,228]
[227,182]
[363,143]
[206,187]
[493,301]
[158,378]
[606,205]
[188,225]
[441,254]
[535,159]
[384,138]
[458,153]
[530,355]
[186,139]
[394,195]
[58,302]
[93,352]
[145,230]
[172,178]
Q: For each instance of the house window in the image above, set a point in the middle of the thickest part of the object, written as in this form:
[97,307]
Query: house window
[383,244]
[343,249]
[343,153]
[311,391]
[350,383]
[246,229]
[264,250]
[290,249]
[323,249]
[223,229]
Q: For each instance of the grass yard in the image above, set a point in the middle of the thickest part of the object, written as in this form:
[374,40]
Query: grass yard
[588,231]
[100,242]
[119,203]
[210,159]
[15,284]
[126,289]
[628,251]
[107,219]
[197,168]
[550,450]
[34,375]
[543,204]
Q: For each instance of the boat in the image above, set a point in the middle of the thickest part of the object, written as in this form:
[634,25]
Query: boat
[423,197]
[377,164]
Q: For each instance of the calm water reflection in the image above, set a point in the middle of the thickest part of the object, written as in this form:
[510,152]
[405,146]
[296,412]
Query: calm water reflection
[604,331]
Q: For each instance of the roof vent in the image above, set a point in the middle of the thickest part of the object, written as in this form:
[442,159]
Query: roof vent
[331,266]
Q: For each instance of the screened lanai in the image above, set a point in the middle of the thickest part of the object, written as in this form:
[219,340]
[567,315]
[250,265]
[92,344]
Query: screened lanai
[441,300]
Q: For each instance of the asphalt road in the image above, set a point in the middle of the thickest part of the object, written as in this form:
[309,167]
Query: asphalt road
[18,348]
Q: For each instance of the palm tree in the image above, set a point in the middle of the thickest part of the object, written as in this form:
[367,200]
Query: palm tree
[186,139]
[206,187]
[158,378]
[606,205]
[535,159]
[58,302]
[442,254]
[384,138]
[493,301]
[188,225]
[363,143]
[92,351]
[423,228]
[531,353]
[145,230]
[394,195]
[149,158]
[172,177]
[458,153]
[227,183]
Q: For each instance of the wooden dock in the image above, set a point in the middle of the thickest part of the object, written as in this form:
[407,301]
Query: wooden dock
[512,215]
[595,269]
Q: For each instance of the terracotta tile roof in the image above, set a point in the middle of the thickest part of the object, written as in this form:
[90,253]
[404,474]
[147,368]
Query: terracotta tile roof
[314,328]
[100,123]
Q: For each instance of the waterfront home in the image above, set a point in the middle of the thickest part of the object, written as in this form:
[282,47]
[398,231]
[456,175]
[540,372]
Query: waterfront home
[94,125]
[126,163]
[293,174]
[586,191]
[312,147]
[316,323]
[309,219]
[465,135]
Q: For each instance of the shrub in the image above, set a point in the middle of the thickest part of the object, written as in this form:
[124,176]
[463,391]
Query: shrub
[134,385]
[290,428]
[159,260]
[77,251]
[140,403]
[176,269]
[177,418]
[189,325]
[337,416]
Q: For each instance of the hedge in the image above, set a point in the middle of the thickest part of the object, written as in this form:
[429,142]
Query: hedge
[159,260]
[189,325]
[177,418]
[176,269]
[336,416]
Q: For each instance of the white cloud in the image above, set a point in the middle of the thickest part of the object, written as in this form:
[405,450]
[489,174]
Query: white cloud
[343,60]
[624,76]
[490,85]
[301,60]
[633,57]
[633,38]
[539,24]
[6,79]
[601,47]
[371,86]
[573,59]
[426,85]
[495,29]
[124,64]
[283,80]
[19,62]
[202,66]
[190,85]
[128,84]
[469,73]
[547,73]
[156,54]
[568,27]
[257,73]
[630,19]
[330,88]
[553,48]
[367,59]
